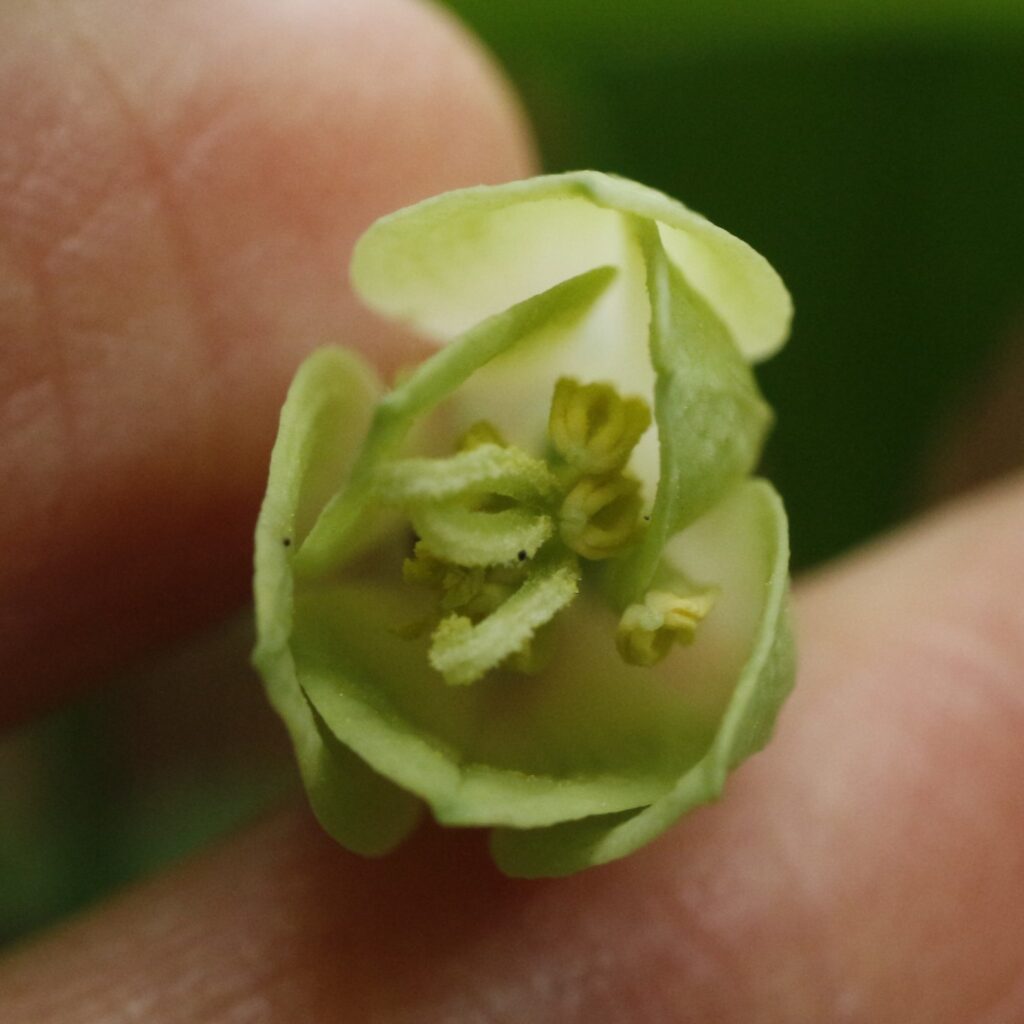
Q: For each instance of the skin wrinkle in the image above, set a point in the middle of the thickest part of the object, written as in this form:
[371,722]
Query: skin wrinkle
[180,244]
[54,336]
[31,199]
[51,333]
[37,413]
[48,368]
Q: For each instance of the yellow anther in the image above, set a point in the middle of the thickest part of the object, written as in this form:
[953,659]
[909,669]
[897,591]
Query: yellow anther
[648,631]
[594,428]
[600,515]
[480,433]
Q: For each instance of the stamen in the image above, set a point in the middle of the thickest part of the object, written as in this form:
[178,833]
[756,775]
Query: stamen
[467,536]
[601,515]
[464,652]
[648,631]
[500,532]
[593,428]
[487,469]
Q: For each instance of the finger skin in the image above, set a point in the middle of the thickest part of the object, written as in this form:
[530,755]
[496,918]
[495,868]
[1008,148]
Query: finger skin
[865,867]
[180,188]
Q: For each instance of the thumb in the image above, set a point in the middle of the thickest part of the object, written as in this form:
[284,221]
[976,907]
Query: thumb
[183,184]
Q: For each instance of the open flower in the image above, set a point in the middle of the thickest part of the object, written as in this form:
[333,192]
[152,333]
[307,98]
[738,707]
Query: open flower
[532,587]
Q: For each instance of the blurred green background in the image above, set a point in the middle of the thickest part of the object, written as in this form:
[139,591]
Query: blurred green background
[873,151]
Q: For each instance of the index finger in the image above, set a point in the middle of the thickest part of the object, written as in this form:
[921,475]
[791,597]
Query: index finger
[182,185]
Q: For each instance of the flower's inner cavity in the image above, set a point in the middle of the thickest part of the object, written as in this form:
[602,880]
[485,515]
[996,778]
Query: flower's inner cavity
[502,535]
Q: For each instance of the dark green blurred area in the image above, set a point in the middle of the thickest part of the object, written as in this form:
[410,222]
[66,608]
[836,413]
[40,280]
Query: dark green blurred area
[875,154]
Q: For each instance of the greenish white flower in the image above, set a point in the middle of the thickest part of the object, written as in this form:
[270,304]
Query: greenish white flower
[533,587]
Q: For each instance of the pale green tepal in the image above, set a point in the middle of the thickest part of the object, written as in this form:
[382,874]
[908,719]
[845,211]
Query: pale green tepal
[532,587]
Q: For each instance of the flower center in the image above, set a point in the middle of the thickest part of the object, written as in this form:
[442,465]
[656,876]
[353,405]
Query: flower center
[502,536]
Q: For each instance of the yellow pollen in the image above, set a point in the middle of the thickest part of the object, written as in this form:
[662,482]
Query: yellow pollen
[593,428]
[601,515]
[648,631]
